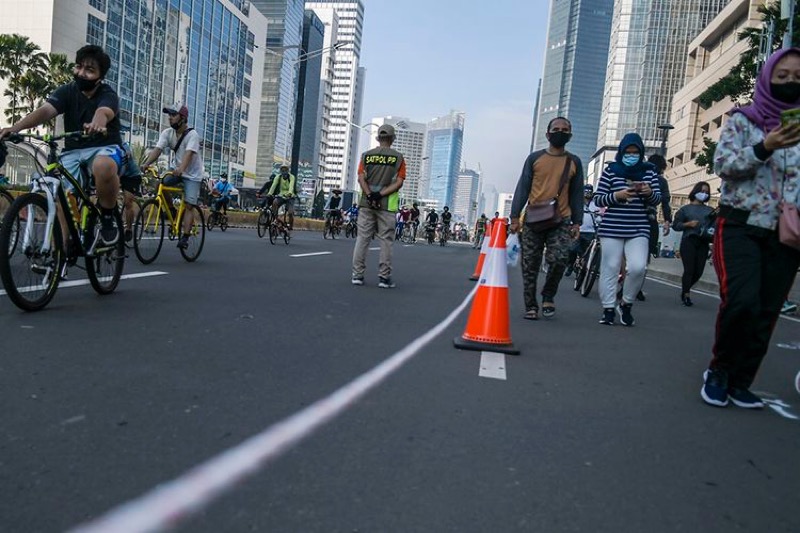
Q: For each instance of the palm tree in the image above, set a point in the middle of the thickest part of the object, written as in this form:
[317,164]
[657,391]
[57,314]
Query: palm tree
[18,55]
[59,69]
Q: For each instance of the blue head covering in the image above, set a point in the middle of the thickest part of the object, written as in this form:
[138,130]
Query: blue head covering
[637,171]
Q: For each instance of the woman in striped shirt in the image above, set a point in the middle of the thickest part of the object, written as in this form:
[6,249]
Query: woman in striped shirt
[627,187]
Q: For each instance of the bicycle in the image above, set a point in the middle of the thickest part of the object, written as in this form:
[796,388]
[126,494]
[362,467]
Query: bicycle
[351,228]
[444,234]
[32,269]
[430,233]
[279,226]
[333,226]
[155,215]
[587,268]
[264,221]
[408,234]
[5,203]
[217,218]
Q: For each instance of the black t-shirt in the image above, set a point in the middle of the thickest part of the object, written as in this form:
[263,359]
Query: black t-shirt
[79,110]
[446,216]
[267,185]
[335,202]
[414,214]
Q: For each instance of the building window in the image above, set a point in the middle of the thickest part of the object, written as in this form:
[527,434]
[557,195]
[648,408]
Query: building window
[99,5]
[95,31]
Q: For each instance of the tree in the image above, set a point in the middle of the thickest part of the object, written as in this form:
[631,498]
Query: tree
[739,83]
[18,55]
[319,205]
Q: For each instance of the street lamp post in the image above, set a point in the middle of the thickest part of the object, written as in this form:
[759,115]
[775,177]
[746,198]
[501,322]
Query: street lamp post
[664,132]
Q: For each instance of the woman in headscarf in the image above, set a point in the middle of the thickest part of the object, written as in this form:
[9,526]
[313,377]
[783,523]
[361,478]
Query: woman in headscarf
[758,159]
[627,187]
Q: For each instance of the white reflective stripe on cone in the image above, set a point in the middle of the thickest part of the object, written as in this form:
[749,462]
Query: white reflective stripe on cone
[485,243]
[495,271]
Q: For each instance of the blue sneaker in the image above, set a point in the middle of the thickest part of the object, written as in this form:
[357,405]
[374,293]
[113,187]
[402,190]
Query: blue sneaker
[745,399]
[625,314]
[715,388]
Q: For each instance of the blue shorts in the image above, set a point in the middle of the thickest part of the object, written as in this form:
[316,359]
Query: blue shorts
[191,189]
[73,159]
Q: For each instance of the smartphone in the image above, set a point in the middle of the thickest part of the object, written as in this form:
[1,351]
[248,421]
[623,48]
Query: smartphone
[790,117]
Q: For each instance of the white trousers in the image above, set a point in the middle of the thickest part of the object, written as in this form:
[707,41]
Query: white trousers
[635,252]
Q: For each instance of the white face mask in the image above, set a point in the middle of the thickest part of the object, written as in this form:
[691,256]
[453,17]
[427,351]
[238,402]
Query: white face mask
[701,196]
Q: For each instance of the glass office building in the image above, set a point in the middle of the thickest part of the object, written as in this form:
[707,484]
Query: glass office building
[443,146]
[305,149]
[574,71]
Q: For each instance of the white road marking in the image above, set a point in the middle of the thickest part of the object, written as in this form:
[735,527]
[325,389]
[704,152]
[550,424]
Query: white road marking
[167,504]
[780,407]
[375,249]
[80,282]
[493,365]
[710,295]
[312,254]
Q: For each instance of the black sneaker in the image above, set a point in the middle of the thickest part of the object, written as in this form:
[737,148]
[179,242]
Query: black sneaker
[128,234]
[183,242]
[386,283]
[108,234]
[625,315]
[744,398]
[608,316]
[640,296]
[715,388]
[357,280]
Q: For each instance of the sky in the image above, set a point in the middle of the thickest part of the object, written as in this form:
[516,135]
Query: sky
[425,58]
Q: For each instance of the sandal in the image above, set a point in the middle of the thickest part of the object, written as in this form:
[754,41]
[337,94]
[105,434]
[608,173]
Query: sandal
[531,314]
[548,311]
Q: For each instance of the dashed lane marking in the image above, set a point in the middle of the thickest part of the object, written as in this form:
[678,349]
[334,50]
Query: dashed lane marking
[312,254]
[81,282]
[493,365]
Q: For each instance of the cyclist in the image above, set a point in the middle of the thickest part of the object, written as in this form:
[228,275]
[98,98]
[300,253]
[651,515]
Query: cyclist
[446,216]
[403,218]
[586,231]
[431,221]
[333,208]
[283,192]
[352,213]
[414,220]
[222,193]
[265,201]
[184,143]
[90,105]
[480,230]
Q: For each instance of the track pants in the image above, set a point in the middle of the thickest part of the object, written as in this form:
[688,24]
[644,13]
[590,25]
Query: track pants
[612,250]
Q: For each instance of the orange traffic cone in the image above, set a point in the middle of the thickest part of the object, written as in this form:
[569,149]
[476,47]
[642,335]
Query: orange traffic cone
[488,327]
[481,258]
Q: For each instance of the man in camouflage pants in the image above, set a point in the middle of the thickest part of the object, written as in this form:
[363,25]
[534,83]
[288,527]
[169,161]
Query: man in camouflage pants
[552,173]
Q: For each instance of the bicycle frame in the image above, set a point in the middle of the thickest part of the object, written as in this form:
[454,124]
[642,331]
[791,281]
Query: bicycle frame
[163,207]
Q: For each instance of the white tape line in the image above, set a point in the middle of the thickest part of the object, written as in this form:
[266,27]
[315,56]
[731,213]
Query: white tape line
[81,282]
[375,248]
[493,365]
[169,503]
[312,254]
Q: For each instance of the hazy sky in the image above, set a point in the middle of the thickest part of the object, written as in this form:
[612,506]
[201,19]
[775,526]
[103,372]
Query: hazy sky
[426,57]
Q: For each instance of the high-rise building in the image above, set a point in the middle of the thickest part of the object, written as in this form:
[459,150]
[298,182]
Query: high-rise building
[504,201]
[465,203]
[201,52]
[573,75]
[409,141]
[310,94]
[341,160]
[279,88]
[646,67]
[443,147]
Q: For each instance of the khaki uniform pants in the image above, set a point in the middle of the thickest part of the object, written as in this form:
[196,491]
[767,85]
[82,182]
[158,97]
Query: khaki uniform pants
[379,223]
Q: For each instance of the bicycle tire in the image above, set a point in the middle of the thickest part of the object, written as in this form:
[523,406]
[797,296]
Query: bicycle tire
[18,270]
[286,236]
[223,223]
[5,204]
[273,233]
[211,221]
[592,272]
[326,229]
[104,269]
[148,232]
[197,235]
[580,274]
[264,222]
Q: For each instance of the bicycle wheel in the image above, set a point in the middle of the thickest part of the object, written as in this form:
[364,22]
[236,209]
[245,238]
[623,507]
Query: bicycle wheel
[326,230]
[223,222]
[212,220]
[197,235]
[286,235]
[347,231]
[5,204]
[148,232]
[592,271]
[580,274]
[273,233]
[264,221]
[104,269]
[31,273]
[334,230]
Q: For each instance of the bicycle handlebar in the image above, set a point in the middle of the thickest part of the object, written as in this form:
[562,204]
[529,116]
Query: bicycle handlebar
[47,138]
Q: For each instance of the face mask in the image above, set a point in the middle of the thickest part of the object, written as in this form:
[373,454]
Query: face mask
[559,139]
[177,125]
[84,84]
[702,196]
[785,92]
[630,160]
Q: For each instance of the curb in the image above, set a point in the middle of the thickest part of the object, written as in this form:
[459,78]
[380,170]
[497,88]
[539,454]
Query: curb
[702,285]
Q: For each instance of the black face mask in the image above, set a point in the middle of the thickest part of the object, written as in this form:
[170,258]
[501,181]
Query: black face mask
[559,139]
[84,84]
[788,93]
[177,125]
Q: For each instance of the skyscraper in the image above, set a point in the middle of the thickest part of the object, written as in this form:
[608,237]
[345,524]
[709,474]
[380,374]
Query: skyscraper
[341,159]
[308,122]
[573,74]
[409,141]
[465,203]
[443,147]
[201,52]
[646,67]
[279,89]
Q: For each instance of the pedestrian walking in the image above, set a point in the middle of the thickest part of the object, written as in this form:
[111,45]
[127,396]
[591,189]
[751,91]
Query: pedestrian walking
[694,246]
[551,186]
[626,188]
[660,163]
[757,159]
[381,173]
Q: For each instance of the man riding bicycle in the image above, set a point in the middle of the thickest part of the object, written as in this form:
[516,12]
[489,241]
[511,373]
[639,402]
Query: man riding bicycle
[480,230]
[403,218]
[414,220]
[333,207]
[352,213]
[446,217]
[283,192]
[222,193]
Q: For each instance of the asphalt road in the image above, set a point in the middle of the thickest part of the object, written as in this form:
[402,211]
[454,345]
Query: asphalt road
[594,428]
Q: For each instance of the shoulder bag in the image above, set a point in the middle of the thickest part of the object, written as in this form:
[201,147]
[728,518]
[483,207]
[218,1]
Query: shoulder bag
[708,226]
[788,221]
[542,216]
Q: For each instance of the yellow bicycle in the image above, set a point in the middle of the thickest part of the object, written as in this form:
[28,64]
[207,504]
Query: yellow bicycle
[157,216]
